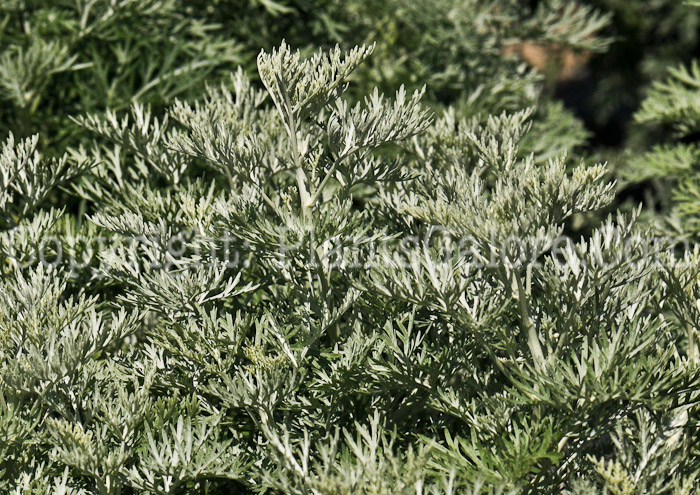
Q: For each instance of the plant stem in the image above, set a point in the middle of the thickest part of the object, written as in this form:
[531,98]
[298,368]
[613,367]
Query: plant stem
[528,326]
[692,344]
[306,200]
[302,179]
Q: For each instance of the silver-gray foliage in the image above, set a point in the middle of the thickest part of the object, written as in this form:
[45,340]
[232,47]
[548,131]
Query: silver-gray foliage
[296,294]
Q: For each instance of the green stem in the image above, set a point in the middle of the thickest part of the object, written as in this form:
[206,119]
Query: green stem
[528,326]
[306,200]
[692,344]
[302,179]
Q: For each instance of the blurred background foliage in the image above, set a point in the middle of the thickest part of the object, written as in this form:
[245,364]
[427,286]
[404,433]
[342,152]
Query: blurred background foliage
[585,66]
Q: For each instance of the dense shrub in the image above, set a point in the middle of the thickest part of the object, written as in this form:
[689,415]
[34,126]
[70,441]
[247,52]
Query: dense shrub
[377,268]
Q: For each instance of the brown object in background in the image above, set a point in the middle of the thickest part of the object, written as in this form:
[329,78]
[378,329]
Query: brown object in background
[568,64]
